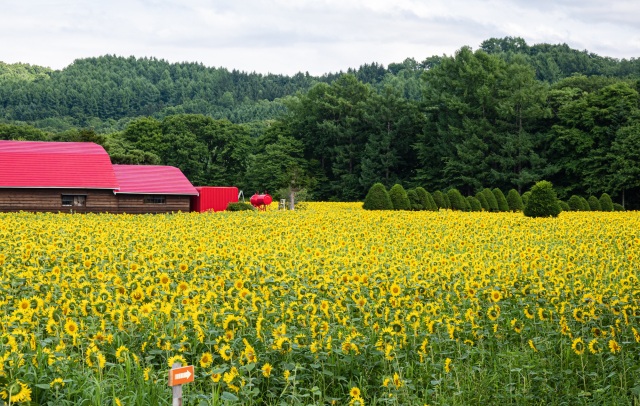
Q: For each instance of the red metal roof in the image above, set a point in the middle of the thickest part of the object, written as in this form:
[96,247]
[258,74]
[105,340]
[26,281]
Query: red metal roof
[153,179]
[37,164]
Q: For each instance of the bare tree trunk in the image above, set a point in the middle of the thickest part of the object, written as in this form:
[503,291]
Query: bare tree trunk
[292,205]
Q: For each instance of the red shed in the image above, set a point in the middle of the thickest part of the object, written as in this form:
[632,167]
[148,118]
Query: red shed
[213,198]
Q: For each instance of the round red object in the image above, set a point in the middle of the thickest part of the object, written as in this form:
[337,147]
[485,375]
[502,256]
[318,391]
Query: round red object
[260,200]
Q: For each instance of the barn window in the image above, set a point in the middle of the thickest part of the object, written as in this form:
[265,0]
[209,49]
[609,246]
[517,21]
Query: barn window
[74,200]
[155,199]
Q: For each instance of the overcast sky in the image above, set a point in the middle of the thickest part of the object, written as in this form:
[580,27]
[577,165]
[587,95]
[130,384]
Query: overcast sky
[289,36]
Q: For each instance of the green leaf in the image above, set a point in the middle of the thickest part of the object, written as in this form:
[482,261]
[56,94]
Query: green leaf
[229,396]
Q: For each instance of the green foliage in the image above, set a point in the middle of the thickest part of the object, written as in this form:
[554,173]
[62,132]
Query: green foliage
[240,206]
[500,199]
[414,200]
[491,199]
[399,198]
[574,203]
[432,206]
[605,202]
[525,197]
[584,204]
[618,207]
[423,197]
[377,198]
[456,199]
[438,198]
[594,204]
[474,203]
[543,201]
[564,206]
[514,200]
[447,202]
[483,201]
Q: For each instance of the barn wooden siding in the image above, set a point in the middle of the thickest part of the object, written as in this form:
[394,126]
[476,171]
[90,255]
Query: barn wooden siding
[97,201]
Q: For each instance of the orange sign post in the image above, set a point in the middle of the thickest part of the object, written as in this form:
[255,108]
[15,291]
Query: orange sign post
[178,376]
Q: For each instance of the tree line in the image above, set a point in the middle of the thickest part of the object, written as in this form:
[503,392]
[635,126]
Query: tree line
[503,116]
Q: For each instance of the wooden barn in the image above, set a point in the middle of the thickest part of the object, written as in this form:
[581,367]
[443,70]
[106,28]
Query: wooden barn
[79,177]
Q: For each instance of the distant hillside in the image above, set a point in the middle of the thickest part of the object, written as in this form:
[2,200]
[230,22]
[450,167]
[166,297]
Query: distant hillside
[107,92]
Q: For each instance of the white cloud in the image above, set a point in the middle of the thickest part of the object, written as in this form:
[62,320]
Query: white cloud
[287,36]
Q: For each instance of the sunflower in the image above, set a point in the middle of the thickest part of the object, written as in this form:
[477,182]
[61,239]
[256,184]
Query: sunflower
[17,392]
[594,346]
[614,347]
[496,296]
[447,365]
[354,392]
[395,290]
[493,313]
[226,352]
[176,359]
[206,359]
[71,327]
[266,370]
[57,384]
[578,346]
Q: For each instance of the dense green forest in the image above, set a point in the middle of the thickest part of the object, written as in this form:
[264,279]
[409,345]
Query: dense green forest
[503,116]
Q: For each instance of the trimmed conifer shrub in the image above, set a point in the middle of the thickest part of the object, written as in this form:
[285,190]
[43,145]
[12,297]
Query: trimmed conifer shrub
[605,202]
[483,201]
[377,198]
[438,197]
[432,203]
[594,203]
[399,198]
[474,203]
[574,203]
[500,199]
[514,200]
[491,199]
[456,199]
[525,198]
[414,200]
[564,206]
[618,207]
[543,201]
[422,197]
[447,202]
[240,206]
[584,204]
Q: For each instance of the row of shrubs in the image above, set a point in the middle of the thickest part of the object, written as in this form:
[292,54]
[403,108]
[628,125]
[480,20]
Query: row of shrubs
[397,198]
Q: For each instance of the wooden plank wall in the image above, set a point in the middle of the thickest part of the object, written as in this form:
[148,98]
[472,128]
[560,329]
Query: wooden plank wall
[98,201]
[134,204]
[50,200]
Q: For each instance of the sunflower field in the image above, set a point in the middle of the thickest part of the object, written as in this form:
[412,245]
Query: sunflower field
[331,305]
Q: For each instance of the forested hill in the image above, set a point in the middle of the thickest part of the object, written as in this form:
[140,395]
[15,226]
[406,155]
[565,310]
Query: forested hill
[111,88]
[505,115]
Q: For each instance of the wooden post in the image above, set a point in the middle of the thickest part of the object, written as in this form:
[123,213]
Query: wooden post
[177,390]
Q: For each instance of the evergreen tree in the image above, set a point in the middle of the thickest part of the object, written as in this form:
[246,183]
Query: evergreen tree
[483,201]
[514,200]
[474,203]
[438,198]
[414,200]
[432,206]
[500,199]
[423,197]
[584,204]
[399,198]
[491,199]
[574,203]
[457,200]
[605,202]
[594,204]
[377,198]
[543,201]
